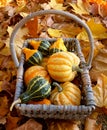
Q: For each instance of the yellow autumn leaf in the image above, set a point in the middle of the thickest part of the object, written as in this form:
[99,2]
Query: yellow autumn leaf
[70,30]
[98,30]
[100,91]
[55,5]
[79,7]
[4,3]
[54,32]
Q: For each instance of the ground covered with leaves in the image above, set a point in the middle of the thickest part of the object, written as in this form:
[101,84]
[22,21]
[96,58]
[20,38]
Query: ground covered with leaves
[94,13]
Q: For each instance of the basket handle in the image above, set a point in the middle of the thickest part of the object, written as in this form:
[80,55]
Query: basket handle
[59,12]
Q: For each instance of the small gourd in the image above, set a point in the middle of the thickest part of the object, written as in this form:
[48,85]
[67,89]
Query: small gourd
[32,56]
[63,66]
[44,101]
[65,93]
[37,89]
[44,62]
[34,71]
[57,46]
[42,46]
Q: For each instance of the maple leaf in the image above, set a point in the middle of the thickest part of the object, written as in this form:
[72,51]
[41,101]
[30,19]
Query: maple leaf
[98,30]
[79,7]
[100,91]
[56,5]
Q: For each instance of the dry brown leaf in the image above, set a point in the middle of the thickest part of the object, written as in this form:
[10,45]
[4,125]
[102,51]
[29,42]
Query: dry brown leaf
[4,108]
[99,65]
[63,125]
[100,91]
[90,124]
[12,122]
[31,124]
[32,26]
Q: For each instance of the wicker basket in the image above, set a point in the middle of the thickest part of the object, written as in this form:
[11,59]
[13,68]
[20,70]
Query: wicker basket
[56,111]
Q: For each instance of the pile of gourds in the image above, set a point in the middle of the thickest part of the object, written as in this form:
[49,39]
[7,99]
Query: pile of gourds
[51,68]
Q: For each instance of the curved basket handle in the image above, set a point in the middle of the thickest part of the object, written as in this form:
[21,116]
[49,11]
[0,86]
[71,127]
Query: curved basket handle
[43,12]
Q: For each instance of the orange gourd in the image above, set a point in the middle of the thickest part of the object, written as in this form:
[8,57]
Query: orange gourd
[34,71]
[44,101]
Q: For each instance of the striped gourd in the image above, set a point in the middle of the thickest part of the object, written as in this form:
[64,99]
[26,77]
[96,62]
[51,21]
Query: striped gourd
[34,71]
[32,56]
[37,89]
[42,46]
[62,66]
[57,46]
[65,93]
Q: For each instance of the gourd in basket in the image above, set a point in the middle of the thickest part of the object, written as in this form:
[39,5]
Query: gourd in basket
[37,89]
[65,94]
[34,71]
[57,46]
[42,46]
[63,66]
[32,56]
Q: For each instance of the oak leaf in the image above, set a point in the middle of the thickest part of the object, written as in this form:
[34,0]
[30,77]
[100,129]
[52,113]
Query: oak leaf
[100,91]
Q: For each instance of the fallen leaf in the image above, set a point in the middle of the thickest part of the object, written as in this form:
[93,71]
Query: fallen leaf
[99,65]
[18,40]
[31,124]
[32,26]
[63,125]
[70,30]
[54,32]
[56,5]
[98,30]
[79,7]
[12,122]
[4,108]
[100,91]
[91,124]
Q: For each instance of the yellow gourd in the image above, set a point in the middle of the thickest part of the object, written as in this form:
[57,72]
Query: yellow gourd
[65,94]
[63,66]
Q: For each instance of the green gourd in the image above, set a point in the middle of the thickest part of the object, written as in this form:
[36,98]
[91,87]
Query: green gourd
[37,89]
[57,46]
[42,46]
[32,56]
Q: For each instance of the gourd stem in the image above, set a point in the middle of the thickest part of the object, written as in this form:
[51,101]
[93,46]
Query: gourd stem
[14,103]
[58,86]
[76,68]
